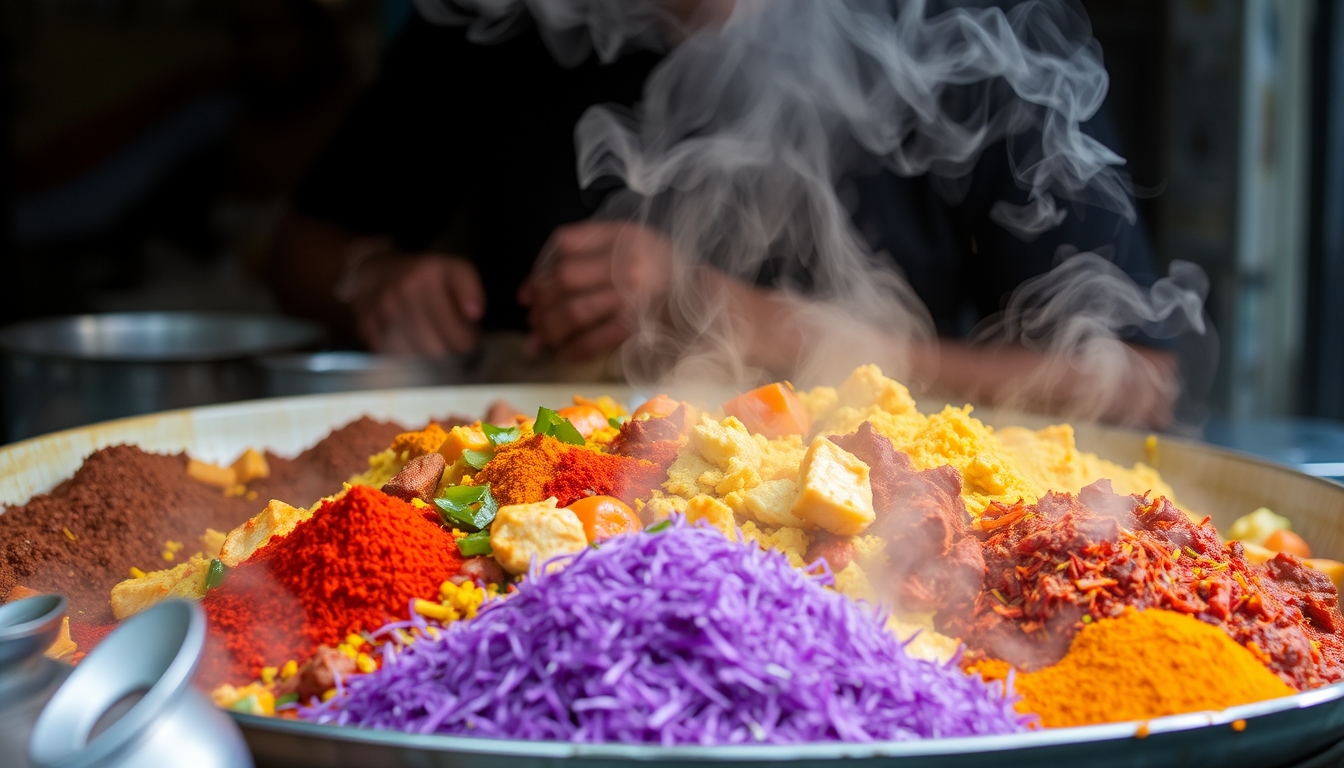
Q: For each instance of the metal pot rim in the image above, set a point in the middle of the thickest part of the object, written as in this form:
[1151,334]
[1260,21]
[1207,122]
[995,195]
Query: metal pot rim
[184,336]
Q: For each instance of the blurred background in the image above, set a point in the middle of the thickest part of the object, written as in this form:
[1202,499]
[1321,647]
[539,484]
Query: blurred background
[152,145]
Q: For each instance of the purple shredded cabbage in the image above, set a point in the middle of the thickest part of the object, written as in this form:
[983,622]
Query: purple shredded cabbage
[676,637]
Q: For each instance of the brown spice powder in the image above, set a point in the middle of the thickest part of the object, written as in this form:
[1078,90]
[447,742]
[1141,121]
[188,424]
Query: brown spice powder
[320,470]
[121,506]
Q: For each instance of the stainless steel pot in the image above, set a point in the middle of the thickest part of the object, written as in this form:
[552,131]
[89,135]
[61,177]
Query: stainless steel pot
[66,371]
[325,372]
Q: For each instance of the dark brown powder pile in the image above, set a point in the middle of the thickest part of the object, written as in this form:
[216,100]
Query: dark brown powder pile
[120,506]
[320,470]
[123,504]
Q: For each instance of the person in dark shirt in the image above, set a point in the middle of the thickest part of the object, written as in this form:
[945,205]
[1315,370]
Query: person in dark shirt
[420,225]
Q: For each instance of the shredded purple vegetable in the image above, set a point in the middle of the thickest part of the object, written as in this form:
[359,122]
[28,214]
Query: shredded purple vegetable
[676,637]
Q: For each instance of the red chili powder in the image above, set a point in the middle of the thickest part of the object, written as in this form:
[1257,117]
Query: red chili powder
[582,472]
[353,566]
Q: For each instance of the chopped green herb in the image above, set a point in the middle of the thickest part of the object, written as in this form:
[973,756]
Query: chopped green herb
[288,698]
[657,527]
[551,423]
[478,459]
[499,435]
[214,575]
[475,544]
[617,422]
[469,507]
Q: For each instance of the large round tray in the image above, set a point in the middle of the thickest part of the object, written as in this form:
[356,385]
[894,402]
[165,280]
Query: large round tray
[1213,481]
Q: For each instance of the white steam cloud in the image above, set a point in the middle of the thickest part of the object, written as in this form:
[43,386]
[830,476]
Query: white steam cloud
[753,117]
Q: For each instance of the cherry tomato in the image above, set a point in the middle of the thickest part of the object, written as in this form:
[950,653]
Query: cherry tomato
[585,418]
[657,407]
[1287,541]
[605,516]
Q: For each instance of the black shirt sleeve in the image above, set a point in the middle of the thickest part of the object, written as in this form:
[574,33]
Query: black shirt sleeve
[479,136]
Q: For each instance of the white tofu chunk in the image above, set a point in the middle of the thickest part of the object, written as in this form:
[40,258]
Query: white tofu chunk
[834,492]
[521,531]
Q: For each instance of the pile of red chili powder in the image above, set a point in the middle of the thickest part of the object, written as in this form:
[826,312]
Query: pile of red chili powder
[353,566]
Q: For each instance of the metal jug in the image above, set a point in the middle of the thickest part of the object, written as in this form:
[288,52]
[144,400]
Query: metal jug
[27,678]
[130,702]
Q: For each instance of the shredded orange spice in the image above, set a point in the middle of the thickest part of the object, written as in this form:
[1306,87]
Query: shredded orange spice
[520,470]
[1141,665]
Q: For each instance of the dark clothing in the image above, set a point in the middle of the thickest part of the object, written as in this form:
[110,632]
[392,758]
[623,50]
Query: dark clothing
[484,134]
[452,131]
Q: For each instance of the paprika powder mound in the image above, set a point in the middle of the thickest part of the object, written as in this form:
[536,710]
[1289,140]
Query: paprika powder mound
[353,566]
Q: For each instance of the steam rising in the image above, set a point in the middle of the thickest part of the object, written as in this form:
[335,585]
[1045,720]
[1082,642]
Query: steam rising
[750,121]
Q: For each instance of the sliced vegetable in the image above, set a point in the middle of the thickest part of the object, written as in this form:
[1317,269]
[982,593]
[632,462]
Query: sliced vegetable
[773,410]
[604,517]
[214,574]
[469,507]
[551,423]
[288,698]
[587,419]
[478,459]
[499,435]
[475,544]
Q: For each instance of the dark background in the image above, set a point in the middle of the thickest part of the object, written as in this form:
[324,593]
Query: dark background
[152,145]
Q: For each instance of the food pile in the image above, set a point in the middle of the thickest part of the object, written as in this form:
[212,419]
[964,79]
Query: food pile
[785,567]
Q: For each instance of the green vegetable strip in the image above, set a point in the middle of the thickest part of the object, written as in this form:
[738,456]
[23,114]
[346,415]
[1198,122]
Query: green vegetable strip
[478,459]
[551,423]
[468,507]
[499,435]
[214,576]
[475,544]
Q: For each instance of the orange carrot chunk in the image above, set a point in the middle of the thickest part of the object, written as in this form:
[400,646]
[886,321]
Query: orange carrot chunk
[773,410]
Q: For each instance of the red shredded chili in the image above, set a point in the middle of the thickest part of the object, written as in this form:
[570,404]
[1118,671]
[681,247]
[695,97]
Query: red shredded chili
[353,566]
[1069,560]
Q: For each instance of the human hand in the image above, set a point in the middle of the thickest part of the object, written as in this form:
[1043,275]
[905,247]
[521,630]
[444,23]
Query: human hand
[424,304]
[589,282]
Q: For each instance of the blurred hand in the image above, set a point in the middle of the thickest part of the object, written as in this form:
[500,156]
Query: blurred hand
[588,283]
[424,304]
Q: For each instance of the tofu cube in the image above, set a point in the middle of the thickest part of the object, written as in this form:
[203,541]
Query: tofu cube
[771,503]
[834,492]
[186,581]
[540,529]
[277,519]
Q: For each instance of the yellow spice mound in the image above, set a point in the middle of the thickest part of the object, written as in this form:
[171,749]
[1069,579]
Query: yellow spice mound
[1144,665]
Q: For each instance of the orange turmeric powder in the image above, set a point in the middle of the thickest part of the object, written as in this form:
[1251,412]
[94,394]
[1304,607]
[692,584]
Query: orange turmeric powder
[520,470]
[1141,665]
[421,442]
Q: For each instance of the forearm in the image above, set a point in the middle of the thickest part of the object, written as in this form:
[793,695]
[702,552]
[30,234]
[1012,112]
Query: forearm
[1134,385]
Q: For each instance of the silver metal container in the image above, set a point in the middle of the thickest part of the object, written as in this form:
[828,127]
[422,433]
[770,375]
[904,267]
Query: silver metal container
[27,678]
[326,372]
[130,702]
[66,371]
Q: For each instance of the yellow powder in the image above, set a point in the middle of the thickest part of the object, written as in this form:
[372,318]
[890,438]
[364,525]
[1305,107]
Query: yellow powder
[419,443]
[1144,665]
